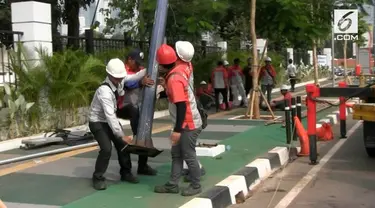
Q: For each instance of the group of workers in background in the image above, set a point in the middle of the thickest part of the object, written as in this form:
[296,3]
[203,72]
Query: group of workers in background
[229,83]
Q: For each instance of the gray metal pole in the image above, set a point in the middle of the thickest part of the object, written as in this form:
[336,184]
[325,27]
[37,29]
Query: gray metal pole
[51,152]
[147,108]
[333,56]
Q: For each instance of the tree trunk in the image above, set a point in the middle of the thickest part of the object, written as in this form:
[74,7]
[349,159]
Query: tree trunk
[255,67]
[73,23]
[141,21]
[315,63]
[344,50]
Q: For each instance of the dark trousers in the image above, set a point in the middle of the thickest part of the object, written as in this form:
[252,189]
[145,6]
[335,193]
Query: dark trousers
[266,90]
[104,136]
[247,90]
[132,113]
[230,94]
[184,150]
[280,105]
[292,80]
[224,93]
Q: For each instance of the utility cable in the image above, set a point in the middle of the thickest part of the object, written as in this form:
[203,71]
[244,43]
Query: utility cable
[282,171]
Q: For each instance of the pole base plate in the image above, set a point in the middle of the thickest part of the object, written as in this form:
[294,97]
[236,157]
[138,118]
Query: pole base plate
[144,151]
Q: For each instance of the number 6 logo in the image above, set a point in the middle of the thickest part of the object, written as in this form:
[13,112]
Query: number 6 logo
[341,24]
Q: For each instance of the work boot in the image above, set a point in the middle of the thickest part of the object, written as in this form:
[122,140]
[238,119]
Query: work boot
[187,177]
[191,190]
[167,189]
[147,170]
[129,177]
[99,184]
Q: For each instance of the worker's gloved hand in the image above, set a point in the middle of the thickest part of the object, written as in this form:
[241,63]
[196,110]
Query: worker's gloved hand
[147,81]
[127,139]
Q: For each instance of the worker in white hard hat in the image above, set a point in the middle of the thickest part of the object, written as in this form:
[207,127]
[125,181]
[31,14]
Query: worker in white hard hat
[226,64]
[185,52]
[105,126]
[230,94]
[267,78]
[205,95]
[236,79]
[279,103]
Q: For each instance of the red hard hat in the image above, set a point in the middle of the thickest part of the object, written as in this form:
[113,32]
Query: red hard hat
[166,55]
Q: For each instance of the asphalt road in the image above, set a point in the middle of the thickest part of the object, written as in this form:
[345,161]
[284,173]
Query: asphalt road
[344,180]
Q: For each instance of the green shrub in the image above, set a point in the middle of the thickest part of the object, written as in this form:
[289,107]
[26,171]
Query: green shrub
[72,78]
[242,55]
[58,85]
[108,55]
[204,66]
[161,104]
[278,62]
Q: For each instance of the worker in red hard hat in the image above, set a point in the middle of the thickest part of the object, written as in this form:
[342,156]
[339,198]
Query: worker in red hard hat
[186,118]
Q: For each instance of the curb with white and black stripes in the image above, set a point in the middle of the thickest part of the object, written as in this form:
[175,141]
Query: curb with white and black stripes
[239,184]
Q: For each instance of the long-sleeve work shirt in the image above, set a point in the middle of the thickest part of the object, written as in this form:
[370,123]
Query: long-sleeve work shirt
[104,104]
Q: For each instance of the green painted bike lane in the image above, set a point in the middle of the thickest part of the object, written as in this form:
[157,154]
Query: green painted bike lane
[244,147]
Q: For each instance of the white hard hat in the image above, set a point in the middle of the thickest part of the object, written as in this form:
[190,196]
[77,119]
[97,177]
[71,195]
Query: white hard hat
[268,59]
[226,63]
[284,87]
[116,68]
[185,50]
[203,82]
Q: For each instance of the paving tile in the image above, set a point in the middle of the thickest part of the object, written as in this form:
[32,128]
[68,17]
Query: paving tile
[81,168]
[43,189]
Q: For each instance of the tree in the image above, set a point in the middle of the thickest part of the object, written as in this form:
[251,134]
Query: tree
[183,21]
[309,21]
[234,25]
[70,16]
[255,73]
[5,24]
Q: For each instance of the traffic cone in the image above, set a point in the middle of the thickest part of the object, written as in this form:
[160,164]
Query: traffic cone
[303,138]
[324,133]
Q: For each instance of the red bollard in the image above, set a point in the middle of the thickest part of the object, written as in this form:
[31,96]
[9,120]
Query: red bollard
[357,70]
[312,92]
[342,109]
